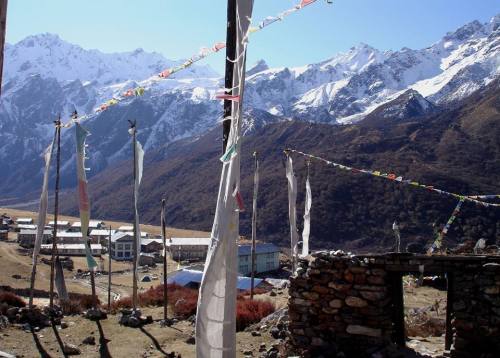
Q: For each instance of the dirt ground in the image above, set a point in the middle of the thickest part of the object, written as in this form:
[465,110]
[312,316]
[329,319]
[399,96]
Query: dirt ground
[113,340]
[433,302]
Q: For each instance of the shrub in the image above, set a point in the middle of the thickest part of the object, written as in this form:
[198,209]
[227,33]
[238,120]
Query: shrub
[11,299]
[251,311]
[183,302]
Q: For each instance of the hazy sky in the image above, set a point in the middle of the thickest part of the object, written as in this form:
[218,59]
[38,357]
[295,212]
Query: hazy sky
[179,28]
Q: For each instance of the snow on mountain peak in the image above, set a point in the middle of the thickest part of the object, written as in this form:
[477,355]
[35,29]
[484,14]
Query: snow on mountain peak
[50,56]
[259,66]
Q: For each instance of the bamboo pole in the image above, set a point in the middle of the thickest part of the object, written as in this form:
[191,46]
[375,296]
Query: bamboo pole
[164,237]
[56,212]
[254,220]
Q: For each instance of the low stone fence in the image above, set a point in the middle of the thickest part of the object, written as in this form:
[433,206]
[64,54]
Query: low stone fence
[354,305]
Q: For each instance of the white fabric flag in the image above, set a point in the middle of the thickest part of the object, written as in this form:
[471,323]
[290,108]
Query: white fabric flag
[42,211]
[139,159]
[292,210]
[307,220]
[216,313]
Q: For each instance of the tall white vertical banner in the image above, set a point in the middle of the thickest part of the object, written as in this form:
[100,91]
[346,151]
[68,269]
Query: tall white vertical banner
[307,219]
[216,313]
[42,211]
[139,157]
[292,209]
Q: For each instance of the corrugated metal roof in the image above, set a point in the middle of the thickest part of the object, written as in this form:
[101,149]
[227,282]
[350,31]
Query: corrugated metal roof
[149,241]
[184,277]
[194,241]
[266,248]
[73,246]
[126,228]
[101,232]
[59,222]
[118,235]
[92,223]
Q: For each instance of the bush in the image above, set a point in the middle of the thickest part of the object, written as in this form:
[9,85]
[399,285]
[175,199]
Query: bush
[11,299]
[183,302]
[251,311]
[77,303]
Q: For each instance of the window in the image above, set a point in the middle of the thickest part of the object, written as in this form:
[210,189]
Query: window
[120,254]
[119,246]
[127,253]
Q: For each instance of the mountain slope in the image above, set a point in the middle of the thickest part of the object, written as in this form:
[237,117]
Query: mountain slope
[456,149]
[46,76]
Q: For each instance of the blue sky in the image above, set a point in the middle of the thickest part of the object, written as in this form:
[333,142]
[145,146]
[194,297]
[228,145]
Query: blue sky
[179,28]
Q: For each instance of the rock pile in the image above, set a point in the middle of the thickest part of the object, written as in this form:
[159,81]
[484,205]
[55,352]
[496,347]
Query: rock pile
[134,318]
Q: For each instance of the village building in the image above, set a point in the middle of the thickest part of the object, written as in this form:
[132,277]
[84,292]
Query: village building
[62,225]
[191,278]
[266,258]
[122,246]
[144,235]
[26,238]
[4,235]
[24,221]
[151,245]
[20,227]
[188,248]
[101,236]
[146,259]
[93,225]
[66,237]
[72,249]
[126,228]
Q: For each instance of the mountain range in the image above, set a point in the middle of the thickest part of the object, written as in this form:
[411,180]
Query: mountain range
[361,103]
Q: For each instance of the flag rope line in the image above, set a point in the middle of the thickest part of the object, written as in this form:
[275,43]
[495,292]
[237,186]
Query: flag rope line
[438,243]
[394,177]
[202,54]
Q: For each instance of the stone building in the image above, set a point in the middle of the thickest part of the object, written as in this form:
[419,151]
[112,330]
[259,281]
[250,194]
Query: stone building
[354,304]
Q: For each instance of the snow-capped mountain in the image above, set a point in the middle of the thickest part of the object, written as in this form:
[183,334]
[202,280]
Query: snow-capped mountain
[347,87]
[45,76]
[50,57]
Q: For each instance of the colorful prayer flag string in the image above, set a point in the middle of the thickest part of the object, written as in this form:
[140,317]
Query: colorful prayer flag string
[438,243]
[394,177]
[203,53]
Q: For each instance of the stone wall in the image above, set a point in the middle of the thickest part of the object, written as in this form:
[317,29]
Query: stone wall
[334,298]
[476,311]
[349,304]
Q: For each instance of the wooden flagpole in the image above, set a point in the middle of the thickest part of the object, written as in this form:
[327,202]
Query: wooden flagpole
[3,26]
[109,270]
[134,283]
[92,274]
[164,236]
[56,211]
[254,222]
[230,55]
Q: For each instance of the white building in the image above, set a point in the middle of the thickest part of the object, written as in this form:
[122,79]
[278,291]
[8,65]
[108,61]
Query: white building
[125,228]
[26,238]
[188,248]
[72,249]
[24,221]
[20,227]
[66,237]
[122,246]
[93,224]
[266,258]
[100,236]
[61,224]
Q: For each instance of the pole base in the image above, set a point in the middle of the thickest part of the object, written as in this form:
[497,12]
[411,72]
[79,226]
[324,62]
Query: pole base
[134,318]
